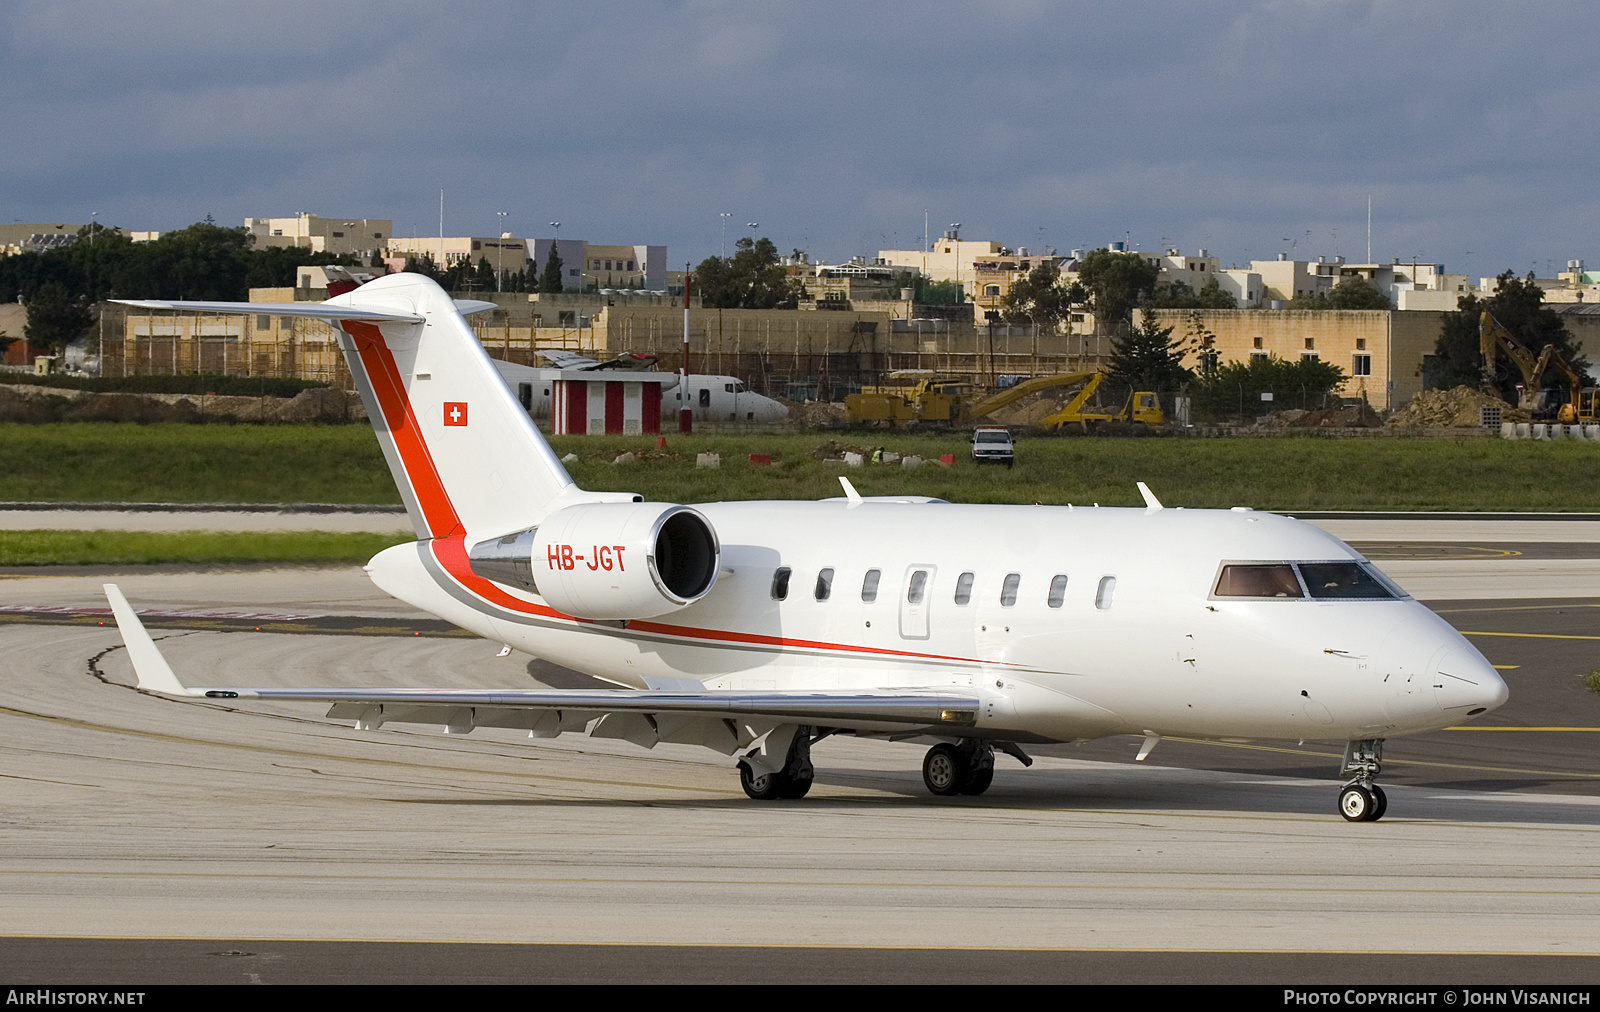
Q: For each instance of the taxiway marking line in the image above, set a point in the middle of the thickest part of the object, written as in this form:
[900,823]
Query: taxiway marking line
[1395,762]
[1474,727]
[1244,887]
[814,945]
[1532,636]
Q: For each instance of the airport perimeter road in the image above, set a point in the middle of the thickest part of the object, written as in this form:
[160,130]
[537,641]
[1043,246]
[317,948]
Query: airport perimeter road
[300,840]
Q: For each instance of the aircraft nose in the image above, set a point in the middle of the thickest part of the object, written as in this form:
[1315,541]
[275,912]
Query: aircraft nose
[1466,683]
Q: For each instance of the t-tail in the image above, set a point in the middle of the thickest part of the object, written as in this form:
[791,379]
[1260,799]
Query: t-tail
[468,461]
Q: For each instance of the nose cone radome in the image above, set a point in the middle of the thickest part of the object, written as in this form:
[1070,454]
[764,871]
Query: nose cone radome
[1466,683]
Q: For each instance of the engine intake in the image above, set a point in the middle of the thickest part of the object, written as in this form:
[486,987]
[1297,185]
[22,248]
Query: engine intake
[609,560]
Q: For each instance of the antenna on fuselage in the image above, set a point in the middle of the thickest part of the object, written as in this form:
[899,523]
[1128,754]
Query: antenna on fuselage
[851,495]
[1150,500]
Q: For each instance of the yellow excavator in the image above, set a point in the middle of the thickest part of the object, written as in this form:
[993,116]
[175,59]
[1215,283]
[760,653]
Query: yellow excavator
[930,399]
[1581,405]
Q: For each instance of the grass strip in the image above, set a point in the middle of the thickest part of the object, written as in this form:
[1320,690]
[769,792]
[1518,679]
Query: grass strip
[91,548]
[110,462]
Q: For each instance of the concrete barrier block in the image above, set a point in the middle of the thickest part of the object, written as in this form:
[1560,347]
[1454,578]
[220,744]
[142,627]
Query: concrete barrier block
[1524,430]
[911,461]
[708,460]
[1508,430]
[854,459]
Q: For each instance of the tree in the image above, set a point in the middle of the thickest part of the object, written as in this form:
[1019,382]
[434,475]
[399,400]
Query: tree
[550,280]
[1178,295]
[1351,293]
[751,279]
[1147,358]
[1037,297]
[1518,305]
[1116,282]
[1235,388]
[56,317]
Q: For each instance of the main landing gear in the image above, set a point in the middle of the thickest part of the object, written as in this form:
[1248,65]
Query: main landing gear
[1361,800]
[791,783]
[967,768]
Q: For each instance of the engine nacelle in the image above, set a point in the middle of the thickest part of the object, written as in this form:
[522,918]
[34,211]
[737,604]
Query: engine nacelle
[609,560]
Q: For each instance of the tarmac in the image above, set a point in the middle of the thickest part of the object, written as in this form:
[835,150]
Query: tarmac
[144,839]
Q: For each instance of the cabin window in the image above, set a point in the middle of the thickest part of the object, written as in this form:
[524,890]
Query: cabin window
[728,387]
[1273,580]
[780,583]
[918,587]
[964,588]
[705,397]
[1102,597]
[824,584]
[1058,590]
[525,395]
[869,585]
[1008,589]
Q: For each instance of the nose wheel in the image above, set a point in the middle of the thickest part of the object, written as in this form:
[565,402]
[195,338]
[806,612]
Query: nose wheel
[1361,800]
[1363,803]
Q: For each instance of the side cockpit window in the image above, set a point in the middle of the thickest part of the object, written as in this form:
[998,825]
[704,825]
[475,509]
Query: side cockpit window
[1276,580]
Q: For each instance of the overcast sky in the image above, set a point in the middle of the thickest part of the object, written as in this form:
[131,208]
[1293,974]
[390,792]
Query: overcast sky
[1243,128]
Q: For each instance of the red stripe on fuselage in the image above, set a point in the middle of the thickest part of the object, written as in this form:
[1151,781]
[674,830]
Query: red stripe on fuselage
[401,423]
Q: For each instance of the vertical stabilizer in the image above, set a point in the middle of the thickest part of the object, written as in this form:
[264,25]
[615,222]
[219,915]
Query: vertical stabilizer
[466,457]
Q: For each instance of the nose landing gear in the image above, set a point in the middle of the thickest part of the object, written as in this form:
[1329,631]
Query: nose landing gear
[1361,800]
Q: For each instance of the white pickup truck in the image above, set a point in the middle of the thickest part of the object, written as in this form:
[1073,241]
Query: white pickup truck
[992,444]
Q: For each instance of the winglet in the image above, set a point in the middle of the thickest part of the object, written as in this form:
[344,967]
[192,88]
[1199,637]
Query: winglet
[1150,500]
[149,666]
[850,493]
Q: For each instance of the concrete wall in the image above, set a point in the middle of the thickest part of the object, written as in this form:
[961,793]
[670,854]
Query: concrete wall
[1394,343]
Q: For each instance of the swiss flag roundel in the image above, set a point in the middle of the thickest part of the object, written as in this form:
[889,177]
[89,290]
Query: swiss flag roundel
[455,412]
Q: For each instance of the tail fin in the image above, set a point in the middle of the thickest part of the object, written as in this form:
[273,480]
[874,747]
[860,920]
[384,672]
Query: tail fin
[467,459]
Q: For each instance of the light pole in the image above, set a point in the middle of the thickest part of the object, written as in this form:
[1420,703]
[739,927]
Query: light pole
[555,244]
[955,237]
[500,256]
[724,215]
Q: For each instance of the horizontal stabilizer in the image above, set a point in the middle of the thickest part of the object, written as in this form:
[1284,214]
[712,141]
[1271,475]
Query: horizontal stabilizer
[151,669]
[313,310]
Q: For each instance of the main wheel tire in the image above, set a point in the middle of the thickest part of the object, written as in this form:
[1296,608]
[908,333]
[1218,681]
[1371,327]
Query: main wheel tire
[759,786]
[1380,803]
[1357,804]
[793,788]
[944,770]
[978,781]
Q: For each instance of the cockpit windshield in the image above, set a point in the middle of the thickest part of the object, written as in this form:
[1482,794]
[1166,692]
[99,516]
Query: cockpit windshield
[1320,581]
[1334,580]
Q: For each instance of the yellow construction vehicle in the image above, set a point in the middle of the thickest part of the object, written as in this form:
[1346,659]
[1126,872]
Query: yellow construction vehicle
[926,398]
[1141,406]
[930,399]
[1580,404]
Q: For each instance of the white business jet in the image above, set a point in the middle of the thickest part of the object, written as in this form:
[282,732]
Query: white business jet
[759,629]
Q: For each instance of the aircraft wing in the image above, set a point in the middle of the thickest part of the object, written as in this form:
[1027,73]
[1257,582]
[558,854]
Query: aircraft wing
[315,310]
[725,720]
[566,359]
